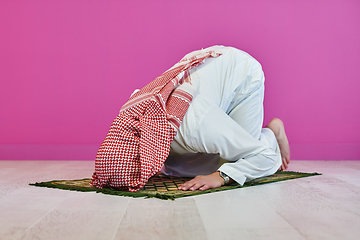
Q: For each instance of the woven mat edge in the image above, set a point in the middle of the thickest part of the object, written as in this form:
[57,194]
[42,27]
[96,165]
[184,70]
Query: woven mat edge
[165,196]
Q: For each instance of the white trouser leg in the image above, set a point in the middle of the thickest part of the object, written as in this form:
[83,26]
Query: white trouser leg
[262,164]
[253,158]
[219,134]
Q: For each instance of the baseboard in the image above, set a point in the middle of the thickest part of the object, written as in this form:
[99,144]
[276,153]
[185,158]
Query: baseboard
[48,152]
[325,151]
[306,151]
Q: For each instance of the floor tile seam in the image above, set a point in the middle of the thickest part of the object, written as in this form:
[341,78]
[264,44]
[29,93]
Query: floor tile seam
[331,177]
[201,218]
[341,206]
[122,217]
[289,224]
[46,214]
[274,210]
[329,202]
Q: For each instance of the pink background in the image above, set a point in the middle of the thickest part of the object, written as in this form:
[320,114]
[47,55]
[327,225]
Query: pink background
[67,66]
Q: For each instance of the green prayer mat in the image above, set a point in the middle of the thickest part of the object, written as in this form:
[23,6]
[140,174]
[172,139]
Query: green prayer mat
[165,187]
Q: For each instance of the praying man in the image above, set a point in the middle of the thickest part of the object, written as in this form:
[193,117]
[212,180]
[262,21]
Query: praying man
[202,118]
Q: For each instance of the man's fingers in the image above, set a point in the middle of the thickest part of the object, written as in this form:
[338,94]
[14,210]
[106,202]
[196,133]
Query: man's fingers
[187,185]
[204,187]
[202,182]
[192,185]
[284,163]
[196,186]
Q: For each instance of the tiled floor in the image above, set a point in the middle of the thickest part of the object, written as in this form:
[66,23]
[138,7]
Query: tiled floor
[319,207]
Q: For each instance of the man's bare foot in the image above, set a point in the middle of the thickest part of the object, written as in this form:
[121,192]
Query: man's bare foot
[277,126]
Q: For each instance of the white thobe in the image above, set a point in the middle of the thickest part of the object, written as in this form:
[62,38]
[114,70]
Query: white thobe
[224,122]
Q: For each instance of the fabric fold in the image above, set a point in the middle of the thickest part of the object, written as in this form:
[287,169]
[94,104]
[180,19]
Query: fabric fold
[139,138]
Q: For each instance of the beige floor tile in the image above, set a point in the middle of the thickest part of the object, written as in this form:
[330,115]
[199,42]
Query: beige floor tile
[318,207]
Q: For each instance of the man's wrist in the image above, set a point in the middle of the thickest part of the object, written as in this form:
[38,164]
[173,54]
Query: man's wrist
[217,175]
[225,177]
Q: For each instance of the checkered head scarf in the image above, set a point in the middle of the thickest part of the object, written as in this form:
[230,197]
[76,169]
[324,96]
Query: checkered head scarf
[139,138]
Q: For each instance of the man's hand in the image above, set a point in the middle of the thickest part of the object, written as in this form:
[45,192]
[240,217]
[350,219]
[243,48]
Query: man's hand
[202,183]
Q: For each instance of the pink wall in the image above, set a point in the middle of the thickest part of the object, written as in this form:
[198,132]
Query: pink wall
[67,66]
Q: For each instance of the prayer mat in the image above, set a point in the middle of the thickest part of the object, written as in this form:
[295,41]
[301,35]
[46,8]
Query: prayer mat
[165,187]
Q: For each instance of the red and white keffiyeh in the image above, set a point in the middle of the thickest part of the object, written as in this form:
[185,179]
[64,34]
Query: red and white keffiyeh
[139,138]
